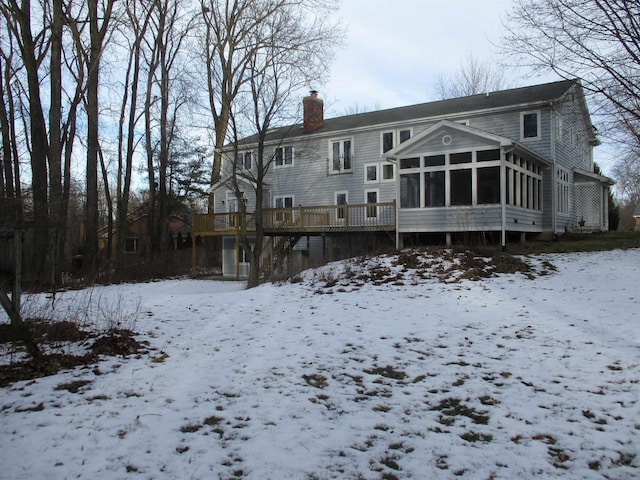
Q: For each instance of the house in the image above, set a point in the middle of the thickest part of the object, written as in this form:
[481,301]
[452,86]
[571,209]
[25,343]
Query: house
[506,164]
[177,229]
[636,216]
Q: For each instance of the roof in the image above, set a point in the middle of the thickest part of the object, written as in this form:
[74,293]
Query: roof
[442,108]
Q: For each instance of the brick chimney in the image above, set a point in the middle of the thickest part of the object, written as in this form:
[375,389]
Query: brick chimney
[313,108]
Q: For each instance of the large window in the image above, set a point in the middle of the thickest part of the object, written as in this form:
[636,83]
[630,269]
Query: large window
[434,189]
[524,183]
[284,156]
[341,155]
[461,187]
[410,190]
[460,179]
[488,185]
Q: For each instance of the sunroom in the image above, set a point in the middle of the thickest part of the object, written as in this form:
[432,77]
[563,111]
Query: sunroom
[457,179]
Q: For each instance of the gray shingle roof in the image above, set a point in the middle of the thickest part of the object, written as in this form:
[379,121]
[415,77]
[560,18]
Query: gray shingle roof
[441,108]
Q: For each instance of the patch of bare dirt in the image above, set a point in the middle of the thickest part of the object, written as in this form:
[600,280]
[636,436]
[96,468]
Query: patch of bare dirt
[50,335]
[445,265]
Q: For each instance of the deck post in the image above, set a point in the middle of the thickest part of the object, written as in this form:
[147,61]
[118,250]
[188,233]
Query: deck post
[194,256]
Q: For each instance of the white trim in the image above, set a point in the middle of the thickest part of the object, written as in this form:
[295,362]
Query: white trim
[340,192]
[538,125]
[340,141]
[367,166]
[393,167]
[366,201]
[284,164]
[395,137]
[278,197]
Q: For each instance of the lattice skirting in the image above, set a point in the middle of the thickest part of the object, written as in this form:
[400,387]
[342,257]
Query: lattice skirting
[591,212]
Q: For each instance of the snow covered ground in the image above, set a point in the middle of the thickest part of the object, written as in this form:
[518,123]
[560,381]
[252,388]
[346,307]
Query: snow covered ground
[334,377]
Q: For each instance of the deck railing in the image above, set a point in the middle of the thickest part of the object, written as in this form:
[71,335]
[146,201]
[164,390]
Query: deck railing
[315,219]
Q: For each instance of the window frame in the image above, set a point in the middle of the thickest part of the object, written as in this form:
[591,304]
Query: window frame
[283,149]
[241,160]
[371,212]
[340,212]
[395,133]
[523,115]
[367,166]
[131,242]
[283,217]
[341,141]
[441,172]
[393,170]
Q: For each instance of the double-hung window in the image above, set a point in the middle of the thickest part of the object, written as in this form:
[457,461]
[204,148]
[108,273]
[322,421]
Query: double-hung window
[341,155]
[244,160]
[284,156]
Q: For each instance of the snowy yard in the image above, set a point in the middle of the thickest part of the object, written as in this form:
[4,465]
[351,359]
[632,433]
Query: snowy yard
[395,376]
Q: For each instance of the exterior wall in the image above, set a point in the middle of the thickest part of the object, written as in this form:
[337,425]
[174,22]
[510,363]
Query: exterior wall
[571,151]
[450,219]
[562,138]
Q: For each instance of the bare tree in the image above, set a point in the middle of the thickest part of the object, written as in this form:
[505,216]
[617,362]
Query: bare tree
[597,41]
[231,43]
[472,77]
[292,48]
[133,30]
[627,171]
[33,50]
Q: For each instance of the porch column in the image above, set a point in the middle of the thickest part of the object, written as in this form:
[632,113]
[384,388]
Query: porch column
[503,201]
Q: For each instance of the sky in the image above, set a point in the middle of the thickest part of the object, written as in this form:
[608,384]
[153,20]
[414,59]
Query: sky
[395,51]
[364,369]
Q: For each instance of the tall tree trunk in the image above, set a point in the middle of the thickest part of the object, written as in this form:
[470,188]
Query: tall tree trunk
[8,198]
[91,208]
[57,211]
[39,149]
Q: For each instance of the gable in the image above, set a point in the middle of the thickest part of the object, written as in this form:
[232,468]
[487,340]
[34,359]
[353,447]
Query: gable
[447,136]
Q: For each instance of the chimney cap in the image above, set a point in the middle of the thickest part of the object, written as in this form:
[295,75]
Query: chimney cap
[313,93]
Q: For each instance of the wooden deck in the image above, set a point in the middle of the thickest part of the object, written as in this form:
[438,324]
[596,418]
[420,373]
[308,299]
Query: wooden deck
[371,217]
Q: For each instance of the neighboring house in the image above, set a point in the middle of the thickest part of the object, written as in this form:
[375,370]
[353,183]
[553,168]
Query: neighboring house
[136,235]
[505,164]
[636,216]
